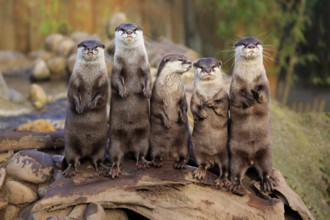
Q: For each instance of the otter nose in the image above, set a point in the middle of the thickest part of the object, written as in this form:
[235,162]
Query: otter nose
[251,46]
[208,69]
[129,32]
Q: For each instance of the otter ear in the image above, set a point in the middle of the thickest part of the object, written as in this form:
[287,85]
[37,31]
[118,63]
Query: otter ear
[195,64]
[80,45]
[102,46]
[220,63]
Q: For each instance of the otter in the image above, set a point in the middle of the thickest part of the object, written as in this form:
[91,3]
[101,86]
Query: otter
[129,124]
[210,107]
[250,129]
[86,125]
[169,123]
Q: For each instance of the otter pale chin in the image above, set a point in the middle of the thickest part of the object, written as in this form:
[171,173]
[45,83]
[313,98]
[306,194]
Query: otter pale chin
[169,137]
[250,128]
[130,85]
[209,106]
[85,125]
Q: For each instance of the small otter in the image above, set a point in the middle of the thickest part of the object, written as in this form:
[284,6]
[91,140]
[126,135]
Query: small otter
[169,124]
[250,130]
[130,86]
[210,106]
[86,126]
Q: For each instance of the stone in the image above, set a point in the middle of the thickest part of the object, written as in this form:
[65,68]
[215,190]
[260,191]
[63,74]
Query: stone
[31,166]
[2,176]
[38,96]
[70,63]
[94,211]
[10,212]
[4,90]
[40,71]
[65,47]
[39,54]
[78,211]
[42,189]
[3,202]
[58,161]
[115,20]
[52,42]
[115,214]
[61,214]
[39,125]
[57,67]
[6,156]
[19,193]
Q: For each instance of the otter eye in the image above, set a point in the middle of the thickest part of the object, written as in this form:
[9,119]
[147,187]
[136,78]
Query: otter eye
[122,29]
[244,44]
[135,29]
[180,59]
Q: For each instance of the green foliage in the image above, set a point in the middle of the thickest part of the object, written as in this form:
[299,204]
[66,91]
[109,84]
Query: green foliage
[50,22]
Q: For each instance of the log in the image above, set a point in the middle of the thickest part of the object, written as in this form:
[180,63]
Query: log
[15,140]
[166,193]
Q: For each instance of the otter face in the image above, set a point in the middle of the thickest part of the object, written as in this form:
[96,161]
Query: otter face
[248,48]
[90,49]
[129,34]
[174,63]
[207,68]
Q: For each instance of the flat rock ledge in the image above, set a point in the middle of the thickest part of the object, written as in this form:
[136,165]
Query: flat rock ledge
[162,193]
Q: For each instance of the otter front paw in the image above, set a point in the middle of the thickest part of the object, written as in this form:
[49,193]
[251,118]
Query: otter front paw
[203,114]
[142,164]
[146,93]
[157,162]
[258,95]
[123,92]
[183,117]
[181,164]
[79,109]
[167,123]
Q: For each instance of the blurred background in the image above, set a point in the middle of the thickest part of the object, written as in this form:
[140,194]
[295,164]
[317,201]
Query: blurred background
[37,52]
[295,34]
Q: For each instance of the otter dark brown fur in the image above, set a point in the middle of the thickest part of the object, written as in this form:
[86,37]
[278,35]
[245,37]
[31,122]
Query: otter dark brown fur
[250,130]
[169,124]
[86,125]
[130,86]
[210,106]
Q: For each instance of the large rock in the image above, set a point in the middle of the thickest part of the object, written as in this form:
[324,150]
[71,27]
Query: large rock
[52,42]
[31,166]
[94,211]
[39,125]
[57,67]
[10,212]
[166,193]
[66,47]
[19,193]
[4,90]
[115,214]
[40,71]
[2,176]
[38,96]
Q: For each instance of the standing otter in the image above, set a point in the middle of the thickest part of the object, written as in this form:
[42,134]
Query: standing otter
[169,123]
[210,106]
[250,130]
[85,126]
[130,86]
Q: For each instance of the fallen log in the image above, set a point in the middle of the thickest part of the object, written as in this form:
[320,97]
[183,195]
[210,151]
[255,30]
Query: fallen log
[22,140]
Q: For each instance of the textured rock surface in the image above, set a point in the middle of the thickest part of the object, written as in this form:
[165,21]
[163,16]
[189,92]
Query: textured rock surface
[94,211]
[167,193]
[40,71]
[31,166]
[38,96]
[39,125]
[19,193]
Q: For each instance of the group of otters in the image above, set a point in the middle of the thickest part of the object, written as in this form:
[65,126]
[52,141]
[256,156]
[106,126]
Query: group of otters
[143,121]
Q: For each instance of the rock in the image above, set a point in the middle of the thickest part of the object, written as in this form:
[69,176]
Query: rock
[19,193]
[13,62]
[66,47]
[31,166]
[39,125]
[42,189]
[40,71]
[78,211]
[115,214]
[2,176]
[52,42]
[6,156]
[154,195]
[53,215]
[10,212]
[39,55]
[80,36]
[58,161]
[4,90]
[15,96]
[57,67]
[38,96]
[94,211]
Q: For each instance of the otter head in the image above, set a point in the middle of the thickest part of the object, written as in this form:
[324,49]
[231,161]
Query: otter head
[248,48]
[174,63]
[207,68]
[90,50]
[129,34]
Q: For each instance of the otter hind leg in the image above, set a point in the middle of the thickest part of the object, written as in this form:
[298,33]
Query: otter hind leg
[264,168]
[238,167]
[222,181]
